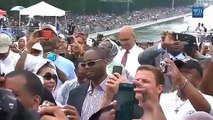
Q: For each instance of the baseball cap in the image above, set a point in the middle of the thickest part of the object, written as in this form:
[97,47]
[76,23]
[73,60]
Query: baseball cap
[48,26]
[5,42]
[189,64]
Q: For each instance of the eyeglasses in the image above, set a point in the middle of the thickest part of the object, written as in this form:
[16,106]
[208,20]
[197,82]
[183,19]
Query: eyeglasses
[49,76]
[90,63]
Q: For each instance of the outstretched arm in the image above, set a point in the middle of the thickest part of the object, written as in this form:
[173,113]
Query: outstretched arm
[148,56]
[207,81]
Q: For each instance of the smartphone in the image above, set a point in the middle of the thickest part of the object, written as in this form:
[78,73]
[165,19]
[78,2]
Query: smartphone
[47,34]
[163,66]
[126,100]
[117,69]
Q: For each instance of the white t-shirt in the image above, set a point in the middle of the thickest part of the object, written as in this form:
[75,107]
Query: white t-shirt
[8,64]
[176,109]
[32,63]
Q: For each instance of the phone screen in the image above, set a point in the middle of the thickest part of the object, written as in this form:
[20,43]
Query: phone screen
[117,69]
[126,99]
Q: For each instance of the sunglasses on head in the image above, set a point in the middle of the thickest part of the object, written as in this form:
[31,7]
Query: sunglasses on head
[49,76]
[90,63]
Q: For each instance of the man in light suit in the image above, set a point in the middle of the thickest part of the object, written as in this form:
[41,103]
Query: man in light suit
[171,47]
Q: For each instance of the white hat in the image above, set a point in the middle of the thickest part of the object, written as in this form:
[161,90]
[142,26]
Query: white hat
[5,42]
[37,46]
[48,26]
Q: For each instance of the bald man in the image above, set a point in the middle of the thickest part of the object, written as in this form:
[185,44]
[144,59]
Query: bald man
[128,56]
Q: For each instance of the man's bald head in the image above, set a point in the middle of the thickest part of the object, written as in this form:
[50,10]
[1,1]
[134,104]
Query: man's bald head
[128,30]
[127,37]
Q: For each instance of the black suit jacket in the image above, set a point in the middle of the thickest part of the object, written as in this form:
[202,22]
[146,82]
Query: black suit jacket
[77,97]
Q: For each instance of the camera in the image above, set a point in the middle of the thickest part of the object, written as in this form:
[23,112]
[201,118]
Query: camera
[163,66]
[12,109]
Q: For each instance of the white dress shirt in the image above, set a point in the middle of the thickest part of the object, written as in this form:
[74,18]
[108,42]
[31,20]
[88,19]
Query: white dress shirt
[132,63]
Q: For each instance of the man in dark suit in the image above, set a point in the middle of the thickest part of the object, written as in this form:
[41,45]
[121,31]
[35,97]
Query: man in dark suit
[87,98]
[171,47]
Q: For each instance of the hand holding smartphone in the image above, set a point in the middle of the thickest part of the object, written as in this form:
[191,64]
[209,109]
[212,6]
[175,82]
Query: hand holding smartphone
[163,66]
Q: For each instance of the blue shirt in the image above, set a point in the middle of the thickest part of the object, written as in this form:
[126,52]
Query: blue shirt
[66,66]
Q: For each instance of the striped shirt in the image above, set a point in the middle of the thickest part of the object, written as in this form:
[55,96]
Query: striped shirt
[93,100]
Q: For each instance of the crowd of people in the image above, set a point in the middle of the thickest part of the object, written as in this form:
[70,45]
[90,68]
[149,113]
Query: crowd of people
[92,23]
[104,22]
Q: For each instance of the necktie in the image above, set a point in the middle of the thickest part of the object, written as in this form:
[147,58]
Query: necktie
[124,59]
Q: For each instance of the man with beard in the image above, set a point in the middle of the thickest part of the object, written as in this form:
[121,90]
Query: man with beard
[49,46]
[47,36]
[171,47]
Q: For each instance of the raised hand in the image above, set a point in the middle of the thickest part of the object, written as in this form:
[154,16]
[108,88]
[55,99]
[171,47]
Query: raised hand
[113,83]
[71,112]
[33,39]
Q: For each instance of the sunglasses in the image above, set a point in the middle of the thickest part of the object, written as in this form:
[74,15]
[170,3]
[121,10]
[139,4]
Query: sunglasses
[90,63]
[49,76]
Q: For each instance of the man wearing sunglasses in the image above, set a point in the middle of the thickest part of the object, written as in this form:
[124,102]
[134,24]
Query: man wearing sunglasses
[87,98]
[49,44]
